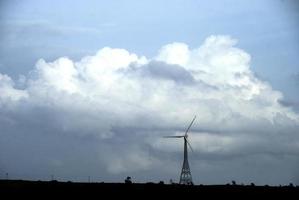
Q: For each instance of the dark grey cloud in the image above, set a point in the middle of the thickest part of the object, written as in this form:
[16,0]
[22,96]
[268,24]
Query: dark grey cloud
[290,103]
[162,70]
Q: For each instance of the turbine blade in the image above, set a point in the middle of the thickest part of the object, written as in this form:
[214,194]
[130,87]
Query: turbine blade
[173,136]
[189,145]
[190,126]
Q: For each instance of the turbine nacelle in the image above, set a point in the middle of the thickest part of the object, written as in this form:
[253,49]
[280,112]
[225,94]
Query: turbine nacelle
[183,136]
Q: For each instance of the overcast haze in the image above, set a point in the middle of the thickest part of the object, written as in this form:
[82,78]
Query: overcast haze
[89,88]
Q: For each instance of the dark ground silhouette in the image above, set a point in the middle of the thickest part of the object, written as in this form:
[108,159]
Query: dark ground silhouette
[57,189]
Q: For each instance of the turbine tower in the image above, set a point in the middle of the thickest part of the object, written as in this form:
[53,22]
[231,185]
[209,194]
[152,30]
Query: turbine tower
[185,178]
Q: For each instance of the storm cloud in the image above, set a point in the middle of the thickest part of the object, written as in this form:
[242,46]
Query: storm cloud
[105,116]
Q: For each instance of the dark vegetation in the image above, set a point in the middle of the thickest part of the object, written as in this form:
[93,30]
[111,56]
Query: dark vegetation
[54,188]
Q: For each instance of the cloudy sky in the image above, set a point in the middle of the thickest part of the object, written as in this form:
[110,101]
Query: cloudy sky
[89,88]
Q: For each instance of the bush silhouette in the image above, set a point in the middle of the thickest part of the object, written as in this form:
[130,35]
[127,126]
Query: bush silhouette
[291,185]
[128,180]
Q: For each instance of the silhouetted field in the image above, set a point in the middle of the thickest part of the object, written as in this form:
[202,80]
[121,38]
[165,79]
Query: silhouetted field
[57,189]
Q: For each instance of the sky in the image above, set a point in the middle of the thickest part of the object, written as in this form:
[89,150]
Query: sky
[89,88]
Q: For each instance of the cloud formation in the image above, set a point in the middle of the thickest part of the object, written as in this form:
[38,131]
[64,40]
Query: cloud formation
[126,103]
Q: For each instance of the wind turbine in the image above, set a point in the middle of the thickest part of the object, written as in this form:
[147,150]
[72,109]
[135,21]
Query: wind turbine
[185,178]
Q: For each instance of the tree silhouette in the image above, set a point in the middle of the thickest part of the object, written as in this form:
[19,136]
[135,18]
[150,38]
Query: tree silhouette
[128,180]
